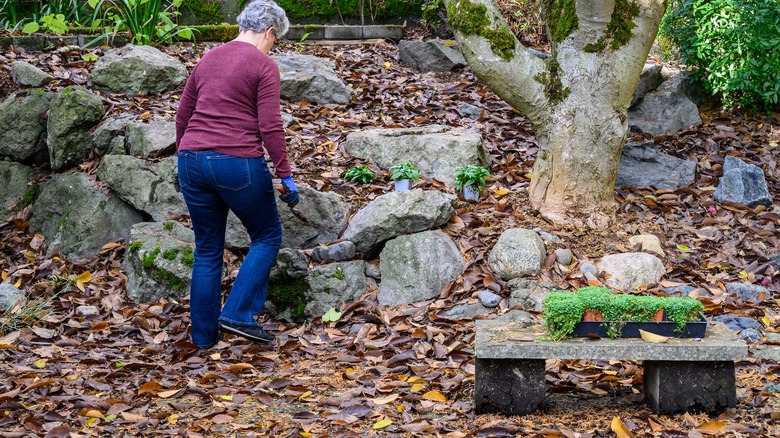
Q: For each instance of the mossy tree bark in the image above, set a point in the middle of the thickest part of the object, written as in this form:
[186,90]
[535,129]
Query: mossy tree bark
[577,101]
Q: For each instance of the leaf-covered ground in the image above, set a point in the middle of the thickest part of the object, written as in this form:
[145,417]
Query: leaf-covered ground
[129,370]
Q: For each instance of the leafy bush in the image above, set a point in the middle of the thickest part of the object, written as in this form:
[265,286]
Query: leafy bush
[51,24]
[149,21]
[404,171]
[471,175]
[362,174]
[733,47]
[325,10]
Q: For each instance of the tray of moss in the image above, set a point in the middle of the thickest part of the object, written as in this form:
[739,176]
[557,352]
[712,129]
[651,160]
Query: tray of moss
[621,315]
[604,329]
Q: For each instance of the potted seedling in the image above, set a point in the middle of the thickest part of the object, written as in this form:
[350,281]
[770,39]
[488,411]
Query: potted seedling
[597,311]
[403,174]
[362,174]
[471,179]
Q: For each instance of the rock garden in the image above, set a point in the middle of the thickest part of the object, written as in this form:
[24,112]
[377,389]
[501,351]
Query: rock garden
[377,288]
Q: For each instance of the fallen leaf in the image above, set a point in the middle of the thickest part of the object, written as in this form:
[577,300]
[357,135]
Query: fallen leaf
[381,424]
[620,429]
[713,428]
[652,337]
[435,396]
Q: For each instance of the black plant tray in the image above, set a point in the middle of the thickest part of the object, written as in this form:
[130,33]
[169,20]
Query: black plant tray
[631,329]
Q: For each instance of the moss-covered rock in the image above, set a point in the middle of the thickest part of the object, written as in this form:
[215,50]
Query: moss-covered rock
[471,19]
[74,112]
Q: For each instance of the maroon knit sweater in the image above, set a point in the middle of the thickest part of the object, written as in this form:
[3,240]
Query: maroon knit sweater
[230,105]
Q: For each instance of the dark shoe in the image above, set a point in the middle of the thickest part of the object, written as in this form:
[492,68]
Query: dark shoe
[253,333]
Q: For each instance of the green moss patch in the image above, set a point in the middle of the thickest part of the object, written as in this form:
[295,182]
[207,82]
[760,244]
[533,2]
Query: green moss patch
[553,87]
[188,257]
[147,261]
[289,294]
[619,30]
[205,11]
[561,18]
[471,19]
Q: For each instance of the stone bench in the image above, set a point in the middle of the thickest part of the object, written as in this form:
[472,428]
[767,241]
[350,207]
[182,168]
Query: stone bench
[679,375]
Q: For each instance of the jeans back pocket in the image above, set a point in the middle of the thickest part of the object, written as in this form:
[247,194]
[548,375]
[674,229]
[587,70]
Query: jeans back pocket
[229,173]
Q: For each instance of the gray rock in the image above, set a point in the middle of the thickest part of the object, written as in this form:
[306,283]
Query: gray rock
[528,294]
[772,337]
[564,256]
[79,218]
[771,354]
[137,70]
[288,119]
[747,292]
[665,110]
[87,311]
[416,267]
[591,278]
[9,296]
[642,165]
[74,112]
[737,323]
[517,252]
[13,183]
[470,111]
[436,150]
[489,299]
[306,77]
[647,243]
[289,263]
[685,290]
[332,284]
[515,316]
[547,236]
[775,259]
[154,139]
[108,131]
[28,75]
[631,270]
[433,55]
[339,252]
[373,271]
[589,267]
[398,213]
[742,183]
[158,261]
[750,335]
[466,311]
[117,146]
[649,80]
[146,185]
[23,118]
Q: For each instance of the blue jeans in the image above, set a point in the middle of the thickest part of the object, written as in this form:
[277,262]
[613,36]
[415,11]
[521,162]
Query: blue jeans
[212,184]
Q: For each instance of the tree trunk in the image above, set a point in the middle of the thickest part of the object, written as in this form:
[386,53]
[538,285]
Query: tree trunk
[577,100]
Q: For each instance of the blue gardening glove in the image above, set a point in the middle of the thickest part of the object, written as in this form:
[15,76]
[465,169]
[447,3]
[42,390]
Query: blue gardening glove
[289,192]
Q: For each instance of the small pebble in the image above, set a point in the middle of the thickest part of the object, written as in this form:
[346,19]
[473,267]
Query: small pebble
[750,335]
[563,256]
[488,299]
[589,267]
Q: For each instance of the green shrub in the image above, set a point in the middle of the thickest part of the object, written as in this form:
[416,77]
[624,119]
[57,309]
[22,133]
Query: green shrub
[362,174]
[302,10]
[732,46]
[404,171]
[150,22]
[471,175]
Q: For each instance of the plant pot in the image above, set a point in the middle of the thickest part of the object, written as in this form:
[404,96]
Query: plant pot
[402,185]
[471,193]
[590,315]
[693,329]
[659,316]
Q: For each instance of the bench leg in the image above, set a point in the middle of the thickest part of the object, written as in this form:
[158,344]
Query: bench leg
[508,386]
[681,386]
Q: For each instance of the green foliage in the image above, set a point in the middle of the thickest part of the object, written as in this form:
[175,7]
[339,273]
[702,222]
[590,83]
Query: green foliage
[150,22]
[565,309]
[29,196]
[10,14]
[73,11]
[135,246]
[332,315]
[618,32]
[89,57]
[173,281]
[51,24]
[471,175]
[732,46]
[561,18]
[553,86]
[471,19]
[430,11]
[170,254]
[188,256]
[404,171]
[168,226]
[325,10]
[147,261]
[205,11]
[289,294]
[362,174]
[339,274]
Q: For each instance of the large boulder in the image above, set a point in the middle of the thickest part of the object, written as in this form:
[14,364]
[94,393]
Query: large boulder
[74,112]
[642,165]
[154,139]
[665,110]
[306,77]
[517,252]
[436,150]
[107,133]
[325,214]
[435,55]
[416,267]
[158,261]
[332,284]
[649,80]
[395,214]
[146,185]
[137,70]
[528,293]
[13,183]
[743,183]
[630,271]
[23,118]
[28,75]
[79,218]
[289,263]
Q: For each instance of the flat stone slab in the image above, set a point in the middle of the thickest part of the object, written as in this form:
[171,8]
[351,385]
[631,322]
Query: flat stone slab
[526,340]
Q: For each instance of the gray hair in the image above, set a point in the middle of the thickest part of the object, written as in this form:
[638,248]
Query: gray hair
[259,15]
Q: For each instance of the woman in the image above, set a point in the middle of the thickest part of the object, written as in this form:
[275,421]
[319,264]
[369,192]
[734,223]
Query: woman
[228,111]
